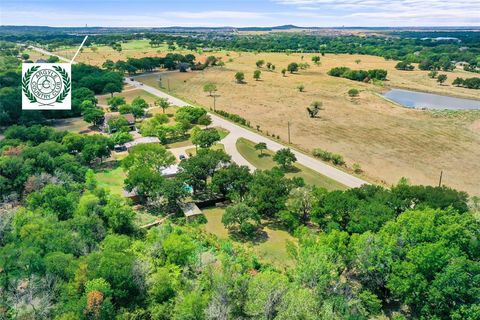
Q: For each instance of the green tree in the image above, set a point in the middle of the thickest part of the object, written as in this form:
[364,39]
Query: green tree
[210,87]
[162,103]
[113,87]
[152,156]
[115,102]
[260,63]
[433,74]
[240,77]
[353,92]
[94,116]
[284,71]
[261,146]
[256,74]
[316,60]
[314,109]
[441,78]
[285,158]
[292,67]
[205,138]
[241,217]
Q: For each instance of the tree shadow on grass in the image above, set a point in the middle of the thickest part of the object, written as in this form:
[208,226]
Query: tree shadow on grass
[260,236]
[264,155]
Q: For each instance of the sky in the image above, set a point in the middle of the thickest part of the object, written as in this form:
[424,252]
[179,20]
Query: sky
[240,13]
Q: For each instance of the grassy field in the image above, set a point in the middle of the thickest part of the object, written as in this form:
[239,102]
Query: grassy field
[130,49]
[388,141]
[129,94]
[112,179]
[272,249]
[193,151]
[76,125]
[265,162]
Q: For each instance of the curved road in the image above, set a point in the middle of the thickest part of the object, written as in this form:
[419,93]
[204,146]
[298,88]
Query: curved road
[237,132]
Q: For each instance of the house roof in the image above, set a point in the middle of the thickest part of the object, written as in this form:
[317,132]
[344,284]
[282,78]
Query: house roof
[190,209]
[142,141]
[128,116]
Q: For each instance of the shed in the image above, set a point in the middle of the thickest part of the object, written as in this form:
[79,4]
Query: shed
[191,210]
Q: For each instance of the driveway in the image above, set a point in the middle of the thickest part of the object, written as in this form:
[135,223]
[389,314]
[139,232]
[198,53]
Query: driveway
[237,132]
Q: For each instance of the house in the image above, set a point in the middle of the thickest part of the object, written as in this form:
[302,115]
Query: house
[142,140]
[111,115]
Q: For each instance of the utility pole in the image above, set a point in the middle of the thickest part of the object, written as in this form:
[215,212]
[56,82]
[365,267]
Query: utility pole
[214,101]
[440,180]
[288,125]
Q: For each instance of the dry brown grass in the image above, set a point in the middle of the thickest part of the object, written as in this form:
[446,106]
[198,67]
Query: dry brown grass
[388,141]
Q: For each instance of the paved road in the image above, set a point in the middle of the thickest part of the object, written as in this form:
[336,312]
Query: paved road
[237,132]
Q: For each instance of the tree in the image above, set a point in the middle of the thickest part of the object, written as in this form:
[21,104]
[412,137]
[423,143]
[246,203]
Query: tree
[152,156]
[205,120]
[205,138]
[121,137]
[198,169]
[256,74]
[314,109]
[118,124]
[53,59]
[298,208]
[285,158]
[210,87]
[261,146]
[242,217]
[232,181]
[284,71]
[170,194]
[115,102]
[458,82]
[260,63]
[292,67]
[301,87]
[162,103]
[403,65]
[112,87]
[316,60]
[441,78]
[139,102]
[94,116]
[353,92]
[240,77]
[25,56]
[433,74]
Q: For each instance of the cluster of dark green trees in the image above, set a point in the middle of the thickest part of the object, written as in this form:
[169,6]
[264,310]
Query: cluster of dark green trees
[358,75]
[171,61]
[86,82]
[471,83]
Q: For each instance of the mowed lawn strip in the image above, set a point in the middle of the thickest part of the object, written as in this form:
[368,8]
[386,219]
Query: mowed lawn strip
[272,250]
[265,162]
[112,179]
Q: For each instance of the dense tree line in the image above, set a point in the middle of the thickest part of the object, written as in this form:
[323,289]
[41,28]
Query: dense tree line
[358,75]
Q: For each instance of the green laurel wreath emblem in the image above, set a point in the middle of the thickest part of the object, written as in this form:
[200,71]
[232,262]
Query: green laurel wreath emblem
[26,83]
[66,83]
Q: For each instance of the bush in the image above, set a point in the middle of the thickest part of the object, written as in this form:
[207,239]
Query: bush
[328,156]
[234,117]
[353,92]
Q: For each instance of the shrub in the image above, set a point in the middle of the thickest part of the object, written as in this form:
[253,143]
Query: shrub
[353,92]
[328,156]
[234,117]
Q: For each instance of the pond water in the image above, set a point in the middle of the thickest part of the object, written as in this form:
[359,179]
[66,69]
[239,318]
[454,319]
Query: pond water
[421,100]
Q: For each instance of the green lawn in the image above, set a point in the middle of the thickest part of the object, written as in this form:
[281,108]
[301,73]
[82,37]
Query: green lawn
[217,146]
[273,250]
[111,179]
[247,150]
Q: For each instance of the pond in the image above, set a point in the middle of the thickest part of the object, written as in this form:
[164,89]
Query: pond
[423,100]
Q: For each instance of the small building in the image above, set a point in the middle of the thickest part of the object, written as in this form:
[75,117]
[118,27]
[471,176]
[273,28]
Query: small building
[41,61]
[111,115]
[141,140]
[462,64]
[170,171]
[190,210]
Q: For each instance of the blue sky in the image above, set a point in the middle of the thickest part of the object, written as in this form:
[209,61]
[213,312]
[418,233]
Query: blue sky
[240,13]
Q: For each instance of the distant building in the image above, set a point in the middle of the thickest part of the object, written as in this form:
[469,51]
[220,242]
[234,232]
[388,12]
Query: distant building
[110,115]
[41,61]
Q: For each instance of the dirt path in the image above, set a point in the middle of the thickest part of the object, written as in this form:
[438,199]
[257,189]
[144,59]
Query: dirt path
[237,132]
